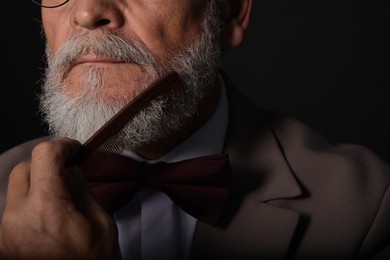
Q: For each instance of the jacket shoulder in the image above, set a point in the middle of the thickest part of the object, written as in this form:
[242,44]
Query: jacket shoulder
[349,181]
[307,149]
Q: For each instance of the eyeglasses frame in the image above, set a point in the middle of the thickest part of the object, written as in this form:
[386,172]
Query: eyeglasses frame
[48,6]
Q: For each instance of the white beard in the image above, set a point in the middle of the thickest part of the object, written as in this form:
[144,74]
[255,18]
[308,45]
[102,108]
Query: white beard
[79,117]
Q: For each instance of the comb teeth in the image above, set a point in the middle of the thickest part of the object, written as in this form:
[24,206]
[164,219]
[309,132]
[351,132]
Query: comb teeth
[102,140]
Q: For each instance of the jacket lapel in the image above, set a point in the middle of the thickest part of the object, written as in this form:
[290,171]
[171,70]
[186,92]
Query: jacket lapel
[250,227]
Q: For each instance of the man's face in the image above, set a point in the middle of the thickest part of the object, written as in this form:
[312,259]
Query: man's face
[161,26]
[102,53]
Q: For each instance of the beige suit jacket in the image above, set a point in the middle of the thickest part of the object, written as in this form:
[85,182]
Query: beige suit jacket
[295,196]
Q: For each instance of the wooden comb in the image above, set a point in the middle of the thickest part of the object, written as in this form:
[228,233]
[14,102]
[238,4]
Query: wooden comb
[162,87]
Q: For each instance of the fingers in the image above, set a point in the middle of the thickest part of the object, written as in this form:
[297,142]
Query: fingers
[48,162]
[18,183]
[50,212]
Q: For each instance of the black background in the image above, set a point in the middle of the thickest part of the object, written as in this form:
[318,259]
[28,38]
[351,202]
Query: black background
[324,62]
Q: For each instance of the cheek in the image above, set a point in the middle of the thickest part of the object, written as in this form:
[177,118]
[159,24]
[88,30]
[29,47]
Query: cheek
[163,27]
[56,32]
[151,28]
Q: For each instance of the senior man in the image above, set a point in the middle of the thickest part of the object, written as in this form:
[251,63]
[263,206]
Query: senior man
[280,191]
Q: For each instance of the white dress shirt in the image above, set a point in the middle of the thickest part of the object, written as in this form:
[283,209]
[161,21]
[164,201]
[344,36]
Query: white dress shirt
[151,226]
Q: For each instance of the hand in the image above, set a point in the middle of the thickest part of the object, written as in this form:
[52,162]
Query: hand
[50,213]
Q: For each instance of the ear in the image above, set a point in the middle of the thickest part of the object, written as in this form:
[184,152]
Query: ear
[236,18]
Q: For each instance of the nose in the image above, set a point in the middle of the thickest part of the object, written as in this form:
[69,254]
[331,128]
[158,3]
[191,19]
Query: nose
[94,14]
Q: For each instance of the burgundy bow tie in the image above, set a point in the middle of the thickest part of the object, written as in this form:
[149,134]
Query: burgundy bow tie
[200,186]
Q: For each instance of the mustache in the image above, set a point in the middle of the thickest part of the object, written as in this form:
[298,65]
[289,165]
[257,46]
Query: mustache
[103,44]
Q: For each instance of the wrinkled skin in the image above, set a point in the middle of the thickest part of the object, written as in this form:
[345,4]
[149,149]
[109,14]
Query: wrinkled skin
[50,212]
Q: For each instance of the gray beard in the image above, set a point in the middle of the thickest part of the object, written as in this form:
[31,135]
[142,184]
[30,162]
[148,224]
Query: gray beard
[79,117]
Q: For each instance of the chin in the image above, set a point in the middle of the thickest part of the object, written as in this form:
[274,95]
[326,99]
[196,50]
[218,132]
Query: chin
[107,90]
